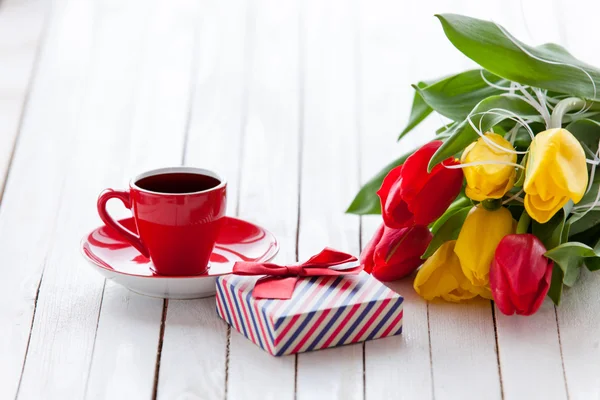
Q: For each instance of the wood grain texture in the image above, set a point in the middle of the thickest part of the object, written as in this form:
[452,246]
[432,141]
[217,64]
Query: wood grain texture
[269,178]
[296,103]
[125,350]
[385,98]
[28,211]
[329,152]
[193,361]
[406,355]
[22,24]
[530,343]
[66,318]
[463,351]
[578,315]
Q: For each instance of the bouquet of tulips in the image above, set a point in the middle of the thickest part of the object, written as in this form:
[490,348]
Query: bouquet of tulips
[504,203]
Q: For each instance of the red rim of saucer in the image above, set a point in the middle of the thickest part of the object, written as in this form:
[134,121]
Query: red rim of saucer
[269,255]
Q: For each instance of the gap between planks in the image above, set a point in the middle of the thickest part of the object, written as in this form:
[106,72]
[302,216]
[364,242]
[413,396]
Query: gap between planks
[161,336]
[301,103]
[497,349]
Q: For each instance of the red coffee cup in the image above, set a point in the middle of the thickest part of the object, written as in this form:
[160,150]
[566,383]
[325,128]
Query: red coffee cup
[178,213]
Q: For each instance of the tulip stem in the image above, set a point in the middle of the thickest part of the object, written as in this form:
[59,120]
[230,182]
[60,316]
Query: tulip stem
[563,107]
[523,225]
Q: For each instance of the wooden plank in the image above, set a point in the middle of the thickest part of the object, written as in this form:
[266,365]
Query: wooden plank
[530,343]
[69,300]
[463,351]
[269,180]
[21,30]
[125,350]
[578,316]
[462,336]
[392,60]
[329,175]
[28,221]
[386,72]
[578,333]
[195,343]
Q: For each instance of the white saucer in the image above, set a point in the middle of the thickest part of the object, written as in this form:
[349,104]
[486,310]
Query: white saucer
[117,260]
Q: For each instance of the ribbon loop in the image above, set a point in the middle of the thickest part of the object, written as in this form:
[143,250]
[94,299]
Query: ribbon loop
[279,281]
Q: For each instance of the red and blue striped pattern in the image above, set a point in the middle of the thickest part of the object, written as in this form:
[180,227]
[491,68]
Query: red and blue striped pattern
[323,312]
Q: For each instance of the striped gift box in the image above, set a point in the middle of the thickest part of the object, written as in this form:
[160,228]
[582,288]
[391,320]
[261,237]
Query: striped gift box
[323,312]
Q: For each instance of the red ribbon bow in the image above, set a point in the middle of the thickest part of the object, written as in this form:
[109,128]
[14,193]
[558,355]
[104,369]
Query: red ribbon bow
[280,281]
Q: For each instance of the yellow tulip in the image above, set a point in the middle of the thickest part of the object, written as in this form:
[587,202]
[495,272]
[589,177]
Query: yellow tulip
[489,181]
[441,276]
[477,242]
[556,172]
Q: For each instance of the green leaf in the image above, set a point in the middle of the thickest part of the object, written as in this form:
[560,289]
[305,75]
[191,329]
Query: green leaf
[460,202]
[551,233]
[580,224]
[448,231]
[583,219]
[570,257]
[455,96]
[593,264]
[445,128]
[548,66]
[366,200]
[556,284]
[520,179]
[586,131]
[464,134]
[420,110]
[523,139]
[589,236]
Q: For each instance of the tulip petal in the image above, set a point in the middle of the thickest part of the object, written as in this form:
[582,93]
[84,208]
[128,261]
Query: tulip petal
[366,256]
[415,169]
[478,239]
[399,251]
[441,277]
[539,211]
[440,190]
[556,172]
[571,163]
[394,209]
[520,274]
[489,180]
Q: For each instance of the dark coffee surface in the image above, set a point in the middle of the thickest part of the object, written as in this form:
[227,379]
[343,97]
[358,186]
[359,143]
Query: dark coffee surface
[179,182]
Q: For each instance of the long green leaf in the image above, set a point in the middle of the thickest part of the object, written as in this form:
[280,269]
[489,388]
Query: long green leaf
[366,200]
[420,110]
[448,231]
[455,96]
[461,201]
[548,66]
[464,134]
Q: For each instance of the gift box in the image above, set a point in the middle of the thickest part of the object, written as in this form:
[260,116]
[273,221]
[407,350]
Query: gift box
[323,311]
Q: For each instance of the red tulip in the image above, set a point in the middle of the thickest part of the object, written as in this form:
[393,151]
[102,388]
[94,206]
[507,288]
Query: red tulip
[520,274]
[394,253]
[412,196]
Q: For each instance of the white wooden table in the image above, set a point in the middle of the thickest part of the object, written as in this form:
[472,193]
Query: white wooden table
[297,102]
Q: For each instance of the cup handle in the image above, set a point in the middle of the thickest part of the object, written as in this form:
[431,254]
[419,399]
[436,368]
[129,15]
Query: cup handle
[125,197]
